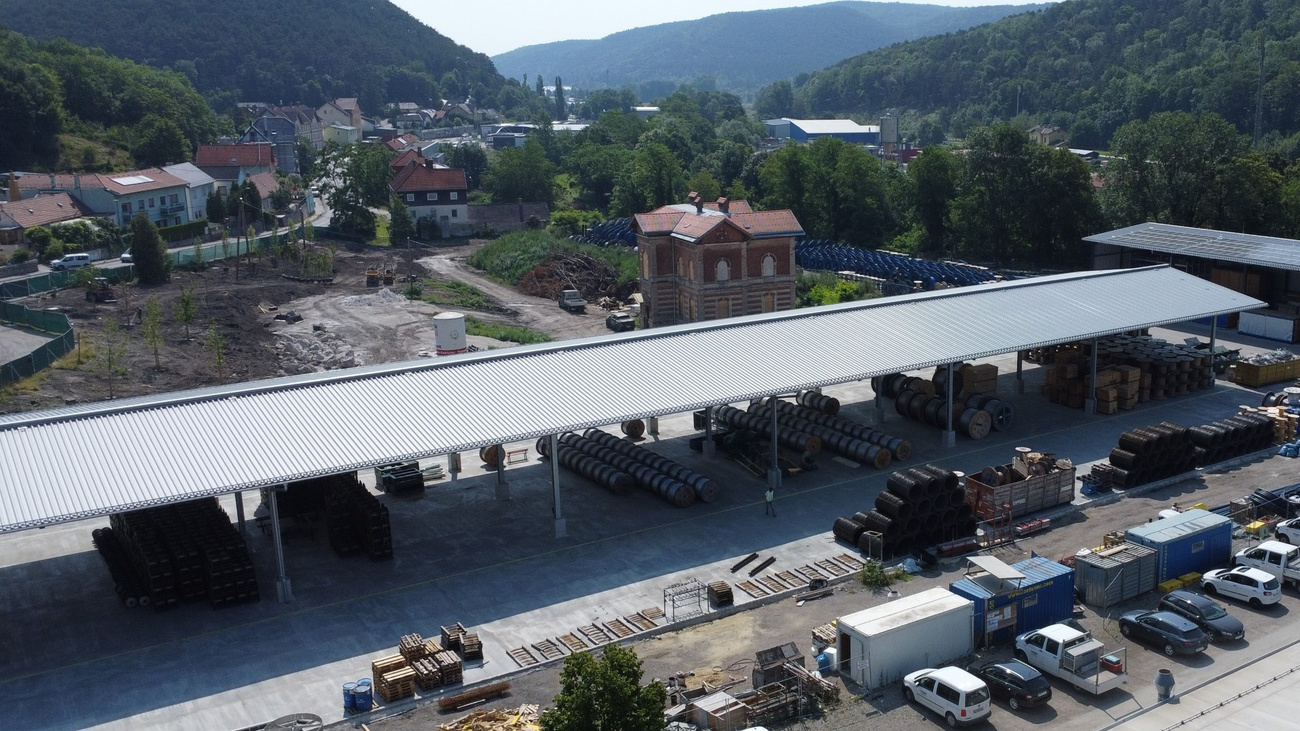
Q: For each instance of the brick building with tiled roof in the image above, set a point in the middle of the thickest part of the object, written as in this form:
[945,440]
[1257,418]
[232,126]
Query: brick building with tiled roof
[707,261]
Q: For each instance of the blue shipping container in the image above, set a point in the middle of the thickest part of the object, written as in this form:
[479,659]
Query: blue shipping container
[1191,542]
[1005,609]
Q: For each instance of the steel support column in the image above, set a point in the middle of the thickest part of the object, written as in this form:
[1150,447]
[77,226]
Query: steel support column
[282,589]
[560,527]
[652,426]
[1020,371]
[453,465]
[774,471]
[239,510]
[949,435]
[1214,331]
[1090,398]
[503,487]
[710,449]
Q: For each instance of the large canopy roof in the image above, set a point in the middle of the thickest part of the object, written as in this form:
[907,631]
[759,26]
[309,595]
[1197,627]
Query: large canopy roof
[94,459]
[1203,243]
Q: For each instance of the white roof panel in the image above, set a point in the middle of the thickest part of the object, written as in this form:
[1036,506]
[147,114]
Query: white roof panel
[996,568]
[93,459]
[903,611]
[1204,243]
[831,126]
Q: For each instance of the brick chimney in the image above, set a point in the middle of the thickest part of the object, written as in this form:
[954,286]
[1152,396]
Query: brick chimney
[15,193]
[722,205]
[697,200]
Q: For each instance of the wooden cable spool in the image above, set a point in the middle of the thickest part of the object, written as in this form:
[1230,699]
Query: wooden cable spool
[976,423]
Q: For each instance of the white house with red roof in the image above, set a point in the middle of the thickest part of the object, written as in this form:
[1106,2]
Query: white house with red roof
[230,164]
[434,192]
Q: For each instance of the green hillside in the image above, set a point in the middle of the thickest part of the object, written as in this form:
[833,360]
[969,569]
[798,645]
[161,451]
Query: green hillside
[742,50]
[67,107]
[1087,65]
[270,50]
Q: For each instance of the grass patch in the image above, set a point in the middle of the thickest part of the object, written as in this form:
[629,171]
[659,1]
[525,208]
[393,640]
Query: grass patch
[509,333]
[450,293]
[381,232]
[510,257]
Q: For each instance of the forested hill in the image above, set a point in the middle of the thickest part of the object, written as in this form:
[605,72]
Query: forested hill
[1087,65]
[72,108]
[741,50]
[269,50]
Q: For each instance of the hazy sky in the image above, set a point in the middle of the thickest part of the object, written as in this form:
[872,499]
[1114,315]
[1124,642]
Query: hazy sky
[497,26]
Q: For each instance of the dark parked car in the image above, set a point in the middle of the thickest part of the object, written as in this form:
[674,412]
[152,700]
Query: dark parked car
[620,322]
[1205,613]
[1166,629]
[1020,684]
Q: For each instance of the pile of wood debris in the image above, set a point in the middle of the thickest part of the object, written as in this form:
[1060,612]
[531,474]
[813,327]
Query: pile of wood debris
[523,718]
[590,276]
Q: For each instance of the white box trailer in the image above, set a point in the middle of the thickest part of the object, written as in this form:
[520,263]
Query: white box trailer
[880,645]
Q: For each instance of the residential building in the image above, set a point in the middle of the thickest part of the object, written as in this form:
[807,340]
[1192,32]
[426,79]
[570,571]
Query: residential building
[402,142]
[807,130]
[341,134]
[266,184]
[19,216]
[158,194]
[230,164]
[305,122]
[344,111]
[1046,134]
[30,185]
[200,186]
[405,158]
[434,192]
[708,261]
[281,134]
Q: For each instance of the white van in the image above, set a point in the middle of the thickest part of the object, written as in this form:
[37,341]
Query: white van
[71,261]
[961,698]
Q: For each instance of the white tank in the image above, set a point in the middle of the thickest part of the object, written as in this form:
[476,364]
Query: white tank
[449,333]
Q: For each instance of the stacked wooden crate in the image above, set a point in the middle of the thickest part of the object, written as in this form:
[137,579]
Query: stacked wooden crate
[393,677]
[981,379]
[449,667]
[451,636]
[720,594]
[471,647]
[411,647]
[427,673]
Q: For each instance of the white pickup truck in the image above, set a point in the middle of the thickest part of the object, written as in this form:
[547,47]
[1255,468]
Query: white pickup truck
[1074,656]
[1280,559]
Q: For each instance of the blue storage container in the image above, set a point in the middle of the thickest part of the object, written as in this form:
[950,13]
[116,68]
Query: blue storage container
[1194,541]
[1004,609]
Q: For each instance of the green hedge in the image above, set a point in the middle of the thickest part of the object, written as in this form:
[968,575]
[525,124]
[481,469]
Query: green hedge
[183,232]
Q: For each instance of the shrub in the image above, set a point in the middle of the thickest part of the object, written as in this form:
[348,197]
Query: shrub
[19,256]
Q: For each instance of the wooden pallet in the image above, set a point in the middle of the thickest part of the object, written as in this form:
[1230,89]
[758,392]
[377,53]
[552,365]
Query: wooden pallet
[720,594]
[853,563]
[427,674]
[772,584]
[810,573]
[471,646]
[791,578]
[573,642]
[640,621]
[523,657]
[652,613]
[549,650]
[619,628]
[411,646]
[387,665]
[831,567]
[752,589]
[595,635]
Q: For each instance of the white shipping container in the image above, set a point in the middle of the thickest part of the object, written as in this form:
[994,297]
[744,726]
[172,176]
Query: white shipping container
[880,645]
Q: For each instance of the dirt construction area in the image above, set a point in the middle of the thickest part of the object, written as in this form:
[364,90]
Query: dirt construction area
[343,324]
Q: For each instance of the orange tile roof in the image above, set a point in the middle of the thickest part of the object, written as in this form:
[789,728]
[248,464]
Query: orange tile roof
[404,159]
[415,178]
[658,222]
[769,223]
[157,179]
[682,219]
[266,184]
[41,181]
[43,210]
[251,154]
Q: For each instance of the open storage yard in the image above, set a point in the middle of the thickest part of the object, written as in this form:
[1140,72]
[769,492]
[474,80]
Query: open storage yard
[462,557]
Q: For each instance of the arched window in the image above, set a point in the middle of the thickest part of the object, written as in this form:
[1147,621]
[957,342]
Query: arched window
[722,270]
[769,265]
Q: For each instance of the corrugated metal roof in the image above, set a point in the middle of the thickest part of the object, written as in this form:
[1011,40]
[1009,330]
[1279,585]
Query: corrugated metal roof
[93,459]
[905,610]
[1203,243]
[1034,571]
[1116,557]
[996,568]
[1175,527]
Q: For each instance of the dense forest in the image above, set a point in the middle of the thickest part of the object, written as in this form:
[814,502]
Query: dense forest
[741,51]
[1086,65]
[276,51]
[67,107]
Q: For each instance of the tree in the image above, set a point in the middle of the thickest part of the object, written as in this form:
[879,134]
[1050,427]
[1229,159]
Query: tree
[186,308]
[151,326]
[653,179]
[216,208]
[521,173]
[198,251]
[935,175]
[152,264]
[541,87]
[401,228]
[605,694]
[215,342]
[472,159]
[561,111]
[159,141]
[32,99]
[110,355]
[706,185]
[775,100]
